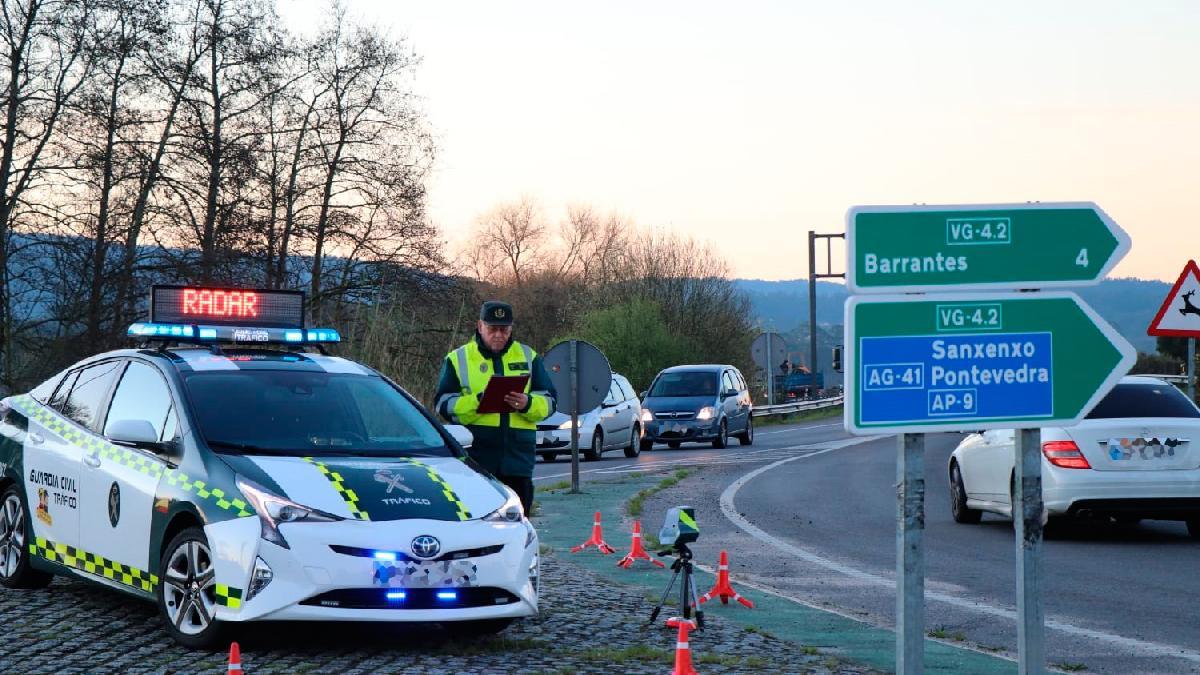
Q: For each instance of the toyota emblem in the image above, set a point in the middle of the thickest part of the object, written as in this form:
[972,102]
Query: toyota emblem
[426,546]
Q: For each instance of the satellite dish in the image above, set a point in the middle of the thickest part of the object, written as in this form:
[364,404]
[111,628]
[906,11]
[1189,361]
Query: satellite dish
[595,375]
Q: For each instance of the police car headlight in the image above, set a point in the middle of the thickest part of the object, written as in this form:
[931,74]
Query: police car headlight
[510,512]
[273,510]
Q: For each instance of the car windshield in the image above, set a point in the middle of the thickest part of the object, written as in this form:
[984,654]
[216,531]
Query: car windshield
[1143,400]
[685,384]
[305,413]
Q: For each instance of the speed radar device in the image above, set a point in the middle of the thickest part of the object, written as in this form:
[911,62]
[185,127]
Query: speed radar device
[679,528]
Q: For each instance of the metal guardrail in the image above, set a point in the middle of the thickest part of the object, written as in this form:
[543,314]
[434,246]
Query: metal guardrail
[798,406]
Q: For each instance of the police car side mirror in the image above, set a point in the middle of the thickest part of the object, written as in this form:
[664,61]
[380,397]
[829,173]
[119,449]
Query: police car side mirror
[461,434]
[139,434]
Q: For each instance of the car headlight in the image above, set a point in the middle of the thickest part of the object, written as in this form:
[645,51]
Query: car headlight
[565,425]
[647,416]
[509,512]
[273,510]
[706,413]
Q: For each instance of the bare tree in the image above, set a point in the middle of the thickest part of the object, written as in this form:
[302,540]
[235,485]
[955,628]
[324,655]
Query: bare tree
[508,242]
[44,63]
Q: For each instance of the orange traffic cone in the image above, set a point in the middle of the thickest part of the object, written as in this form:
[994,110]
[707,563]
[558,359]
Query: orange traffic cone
[723,589]
[637,552]
[597,540]
[235,659]
[683,653]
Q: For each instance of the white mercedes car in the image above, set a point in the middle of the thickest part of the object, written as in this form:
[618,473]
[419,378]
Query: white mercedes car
[1134,457]
[243,474]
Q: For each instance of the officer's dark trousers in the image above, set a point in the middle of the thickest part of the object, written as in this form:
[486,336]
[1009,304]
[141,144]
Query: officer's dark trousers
[523,486]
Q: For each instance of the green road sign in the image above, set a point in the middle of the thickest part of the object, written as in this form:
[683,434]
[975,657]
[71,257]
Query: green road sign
[948,362]
[1003,246]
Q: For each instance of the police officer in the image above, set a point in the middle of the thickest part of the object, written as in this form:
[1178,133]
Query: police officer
[505,443]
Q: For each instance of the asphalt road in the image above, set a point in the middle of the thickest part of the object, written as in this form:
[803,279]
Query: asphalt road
[1117,599]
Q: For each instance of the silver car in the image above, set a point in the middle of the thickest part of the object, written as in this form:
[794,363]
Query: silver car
[616,423]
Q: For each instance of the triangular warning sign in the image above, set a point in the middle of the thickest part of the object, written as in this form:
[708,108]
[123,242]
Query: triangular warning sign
[1180,314]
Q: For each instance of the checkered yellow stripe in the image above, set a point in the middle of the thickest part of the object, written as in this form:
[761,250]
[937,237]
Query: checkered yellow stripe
[126,457]
[229,596]
[94,564]
[447,491]
[349,496]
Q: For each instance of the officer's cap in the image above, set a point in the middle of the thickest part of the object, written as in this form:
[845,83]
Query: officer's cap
[496,313]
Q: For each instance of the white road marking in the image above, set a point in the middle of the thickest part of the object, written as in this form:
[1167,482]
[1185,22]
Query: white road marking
[727,507]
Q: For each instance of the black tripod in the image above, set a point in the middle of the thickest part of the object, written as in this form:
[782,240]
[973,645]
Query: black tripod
[688,598]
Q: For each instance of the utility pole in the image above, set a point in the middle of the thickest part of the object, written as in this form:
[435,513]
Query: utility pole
[813,275]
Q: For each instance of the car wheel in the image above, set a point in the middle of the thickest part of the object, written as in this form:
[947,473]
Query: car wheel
[958,499]
[1193,526]
[475,629]
[548,456]
[674,445]
[635,438]
[646,445]
[597,448]
[187,591]
[722,439]
[747,436]
[16,571]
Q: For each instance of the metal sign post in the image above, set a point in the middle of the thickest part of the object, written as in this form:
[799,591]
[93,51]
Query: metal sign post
[574,416]
[1191,368]
[910,554]
[1028,522]
[771,375]
[582,378]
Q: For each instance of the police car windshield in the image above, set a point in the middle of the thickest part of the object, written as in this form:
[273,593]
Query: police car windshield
[685,384]
[298,413]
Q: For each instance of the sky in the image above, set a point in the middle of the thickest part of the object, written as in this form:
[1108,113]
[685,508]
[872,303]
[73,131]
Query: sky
[748,124]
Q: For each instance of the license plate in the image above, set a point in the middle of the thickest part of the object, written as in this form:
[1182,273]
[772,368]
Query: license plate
[405,574]
[1142,449]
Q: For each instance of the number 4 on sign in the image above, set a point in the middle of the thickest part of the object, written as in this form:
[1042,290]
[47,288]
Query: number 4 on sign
[1082,259]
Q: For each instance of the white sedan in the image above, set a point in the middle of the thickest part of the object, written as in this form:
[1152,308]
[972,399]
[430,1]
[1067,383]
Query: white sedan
[1131,458]
[616,424]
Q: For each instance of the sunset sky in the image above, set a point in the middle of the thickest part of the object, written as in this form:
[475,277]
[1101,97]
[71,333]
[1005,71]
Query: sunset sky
[748,124]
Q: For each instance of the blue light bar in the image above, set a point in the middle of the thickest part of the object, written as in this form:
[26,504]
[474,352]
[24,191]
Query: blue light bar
[178,332]
[159,330]
[447,595]
[384,555]
[323,335]
[397,595]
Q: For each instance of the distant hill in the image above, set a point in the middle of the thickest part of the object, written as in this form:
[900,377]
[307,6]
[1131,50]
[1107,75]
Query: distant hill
[1128,304]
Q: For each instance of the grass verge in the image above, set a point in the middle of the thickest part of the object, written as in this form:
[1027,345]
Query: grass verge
[634,506]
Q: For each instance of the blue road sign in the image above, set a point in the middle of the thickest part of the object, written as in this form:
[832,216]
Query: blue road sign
[933,378]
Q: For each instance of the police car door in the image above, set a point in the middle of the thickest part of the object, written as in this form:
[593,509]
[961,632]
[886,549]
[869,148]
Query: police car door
[120,482]
[54,453]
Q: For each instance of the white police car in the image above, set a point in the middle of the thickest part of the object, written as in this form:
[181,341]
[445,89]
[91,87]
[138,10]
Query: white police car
[238,476]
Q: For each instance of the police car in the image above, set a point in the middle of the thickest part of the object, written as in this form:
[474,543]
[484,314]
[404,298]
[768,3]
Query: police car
[230,470]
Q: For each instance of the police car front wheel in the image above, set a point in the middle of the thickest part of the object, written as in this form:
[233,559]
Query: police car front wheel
[15,570]
[187,592]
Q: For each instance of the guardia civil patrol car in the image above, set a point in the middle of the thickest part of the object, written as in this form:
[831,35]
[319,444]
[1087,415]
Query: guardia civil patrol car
[230,470]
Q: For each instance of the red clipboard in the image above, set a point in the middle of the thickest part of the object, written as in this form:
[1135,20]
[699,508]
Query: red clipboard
[498,387]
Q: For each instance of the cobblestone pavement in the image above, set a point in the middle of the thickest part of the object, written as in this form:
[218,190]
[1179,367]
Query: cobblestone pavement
[586,626]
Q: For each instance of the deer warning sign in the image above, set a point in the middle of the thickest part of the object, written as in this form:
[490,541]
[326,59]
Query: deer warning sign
[1180,314]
